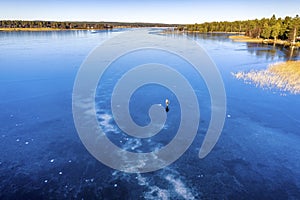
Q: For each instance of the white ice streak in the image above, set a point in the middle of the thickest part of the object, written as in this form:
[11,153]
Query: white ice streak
[157,193]
[174,188]
[180,187]
[132,143]
[105,123]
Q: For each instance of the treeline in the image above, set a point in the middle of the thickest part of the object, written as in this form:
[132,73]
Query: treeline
[75,25]
[52,24]
[267,28]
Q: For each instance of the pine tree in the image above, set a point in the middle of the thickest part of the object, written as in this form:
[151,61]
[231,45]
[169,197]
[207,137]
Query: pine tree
[266,31]
[275,30]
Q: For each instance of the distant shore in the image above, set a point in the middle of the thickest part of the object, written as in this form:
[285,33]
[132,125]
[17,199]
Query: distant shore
[243,38]
[43,29]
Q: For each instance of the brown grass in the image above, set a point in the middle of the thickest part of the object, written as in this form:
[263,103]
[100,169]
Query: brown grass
[289,73]
[285,76]
[242,38]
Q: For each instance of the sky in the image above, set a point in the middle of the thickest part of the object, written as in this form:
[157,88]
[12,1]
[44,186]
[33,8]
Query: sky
[156,11]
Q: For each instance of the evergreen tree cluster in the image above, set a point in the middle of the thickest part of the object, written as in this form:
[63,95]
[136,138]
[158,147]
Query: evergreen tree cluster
[267,28]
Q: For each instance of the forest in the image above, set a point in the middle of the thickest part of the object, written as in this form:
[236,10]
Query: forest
[287,28]
[19,24]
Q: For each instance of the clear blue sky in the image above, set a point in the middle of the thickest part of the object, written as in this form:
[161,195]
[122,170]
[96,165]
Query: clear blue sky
[163,11]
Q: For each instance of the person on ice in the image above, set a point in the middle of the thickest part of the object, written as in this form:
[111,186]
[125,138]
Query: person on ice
[167,105]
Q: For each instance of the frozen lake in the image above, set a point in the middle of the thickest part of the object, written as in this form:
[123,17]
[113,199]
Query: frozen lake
[41,155]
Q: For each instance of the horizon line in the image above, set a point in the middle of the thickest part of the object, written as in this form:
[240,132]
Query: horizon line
[132,22]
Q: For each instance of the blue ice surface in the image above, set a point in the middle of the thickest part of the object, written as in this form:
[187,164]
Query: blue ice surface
[257,156]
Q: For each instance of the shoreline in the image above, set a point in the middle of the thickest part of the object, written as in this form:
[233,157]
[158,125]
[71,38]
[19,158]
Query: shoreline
[199,32]
[240,37]
[234,32]
[243,38]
